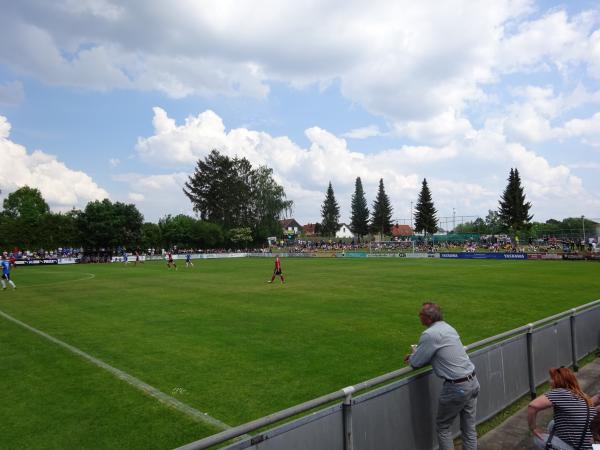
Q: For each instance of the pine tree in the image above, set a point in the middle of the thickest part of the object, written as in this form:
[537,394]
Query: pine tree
[514,210]
[359,221]
[330,212]
[425,219]
[381,219]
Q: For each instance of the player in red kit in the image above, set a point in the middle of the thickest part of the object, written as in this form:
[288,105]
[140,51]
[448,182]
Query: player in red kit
[170,262]
[277,271]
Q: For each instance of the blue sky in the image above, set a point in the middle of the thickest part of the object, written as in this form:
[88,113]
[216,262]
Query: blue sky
[119,99]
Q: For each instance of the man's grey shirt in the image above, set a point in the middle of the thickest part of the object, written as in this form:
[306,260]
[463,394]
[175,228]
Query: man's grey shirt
[440,346]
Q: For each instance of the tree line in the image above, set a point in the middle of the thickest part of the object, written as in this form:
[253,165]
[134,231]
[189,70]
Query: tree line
[511,217]
[237,205]
[378,221]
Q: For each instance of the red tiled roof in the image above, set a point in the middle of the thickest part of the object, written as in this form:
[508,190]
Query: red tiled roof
[401,230]
[309,228]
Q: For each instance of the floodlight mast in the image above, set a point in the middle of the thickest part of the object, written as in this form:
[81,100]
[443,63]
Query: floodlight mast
[453,220]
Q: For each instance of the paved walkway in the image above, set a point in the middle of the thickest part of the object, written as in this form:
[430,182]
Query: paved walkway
[514,433]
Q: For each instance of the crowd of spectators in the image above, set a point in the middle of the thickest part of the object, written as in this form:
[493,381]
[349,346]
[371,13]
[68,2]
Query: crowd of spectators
[486,243]
[27,255]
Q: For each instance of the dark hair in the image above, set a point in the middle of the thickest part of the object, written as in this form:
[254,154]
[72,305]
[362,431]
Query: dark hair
[433,311]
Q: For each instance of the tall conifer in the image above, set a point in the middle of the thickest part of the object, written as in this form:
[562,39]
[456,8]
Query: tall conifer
[330,212]
[381,219]
[514,210]
[425,212]
[359,221]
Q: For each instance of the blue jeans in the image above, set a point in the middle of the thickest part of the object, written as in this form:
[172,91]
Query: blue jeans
[457,399]
[557,443]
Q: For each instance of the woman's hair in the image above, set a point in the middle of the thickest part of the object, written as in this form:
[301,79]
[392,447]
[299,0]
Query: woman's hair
[563,377]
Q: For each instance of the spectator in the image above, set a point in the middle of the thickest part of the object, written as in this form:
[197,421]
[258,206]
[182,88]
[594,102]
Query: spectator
[573,413]
[595,430]
[440,345]
[596,401]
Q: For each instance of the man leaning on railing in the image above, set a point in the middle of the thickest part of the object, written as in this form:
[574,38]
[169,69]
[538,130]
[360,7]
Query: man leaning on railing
[441,347]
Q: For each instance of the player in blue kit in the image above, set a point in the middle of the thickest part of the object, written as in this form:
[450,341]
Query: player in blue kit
[6,273]
[188,260]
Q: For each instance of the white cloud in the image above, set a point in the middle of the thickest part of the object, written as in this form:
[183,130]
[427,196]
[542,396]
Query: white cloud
[555,38]
[594,54]
[542,179]
[92,8]
[405,60]
[525,122]
[585,166]
[537,114]
[363,133]
[438,130]
[434,72]
[418,64]
[4,128]
[61,187]
[587,129]
[114,162]
[477,158]
[157,195]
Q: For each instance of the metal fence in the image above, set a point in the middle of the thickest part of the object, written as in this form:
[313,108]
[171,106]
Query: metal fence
[402,414]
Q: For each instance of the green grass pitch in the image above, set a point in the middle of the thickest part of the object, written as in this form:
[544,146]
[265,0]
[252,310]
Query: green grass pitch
[220,339]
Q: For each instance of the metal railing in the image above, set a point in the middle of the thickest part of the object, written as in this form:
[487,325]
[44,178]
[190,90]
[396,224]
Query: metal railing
[533,341]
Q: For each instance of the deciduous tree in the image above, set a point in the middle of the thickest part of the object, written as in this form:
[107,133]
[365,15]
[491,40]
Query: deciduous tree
[107,225]
[25,211]
[231,193]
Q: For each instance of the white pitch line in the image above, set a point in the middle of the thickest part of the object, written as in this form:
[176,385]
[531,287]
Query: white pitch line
[195,414]
[52,283]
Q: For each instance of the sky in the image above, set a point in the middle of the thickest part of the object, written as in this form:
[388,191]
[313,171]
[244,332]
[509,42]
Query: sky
[120,99]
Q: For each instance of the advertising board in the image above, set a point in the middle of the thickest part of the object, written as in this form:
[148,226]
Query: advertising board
[35,262]
[466,255]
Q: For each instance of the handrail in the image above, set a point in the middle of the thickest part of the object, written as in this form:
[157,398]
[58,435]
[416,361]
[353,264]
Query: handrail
[342,393]
[535,324]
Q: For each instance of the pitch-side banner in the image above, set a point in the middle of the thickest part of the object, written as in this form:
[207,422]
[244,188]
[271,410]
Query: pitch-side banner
[389,255]
[545,256]
[35,262]
[420,255]
[483,255]
[68,260]
[130,258]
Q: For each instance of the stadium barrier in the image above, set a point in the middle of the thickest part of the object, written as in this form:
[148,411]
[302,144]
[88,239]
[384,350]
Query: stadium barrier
[508,365]
[475,255]
[349,254]
[130,258]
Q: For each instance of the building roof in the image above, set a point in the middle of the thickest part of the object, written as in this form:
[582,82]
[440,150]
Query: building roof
[309,228]
[286,223]
[401,230]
